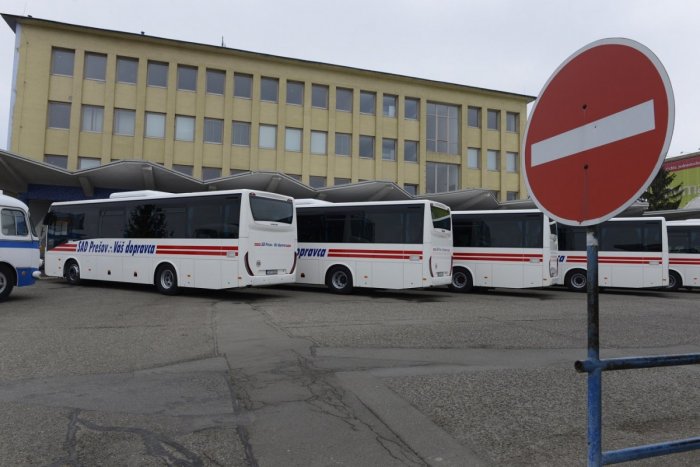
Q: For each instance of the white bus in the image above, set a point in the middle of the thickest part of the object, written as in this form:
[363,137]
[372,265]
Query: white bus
[211,240]
[506,248]
[683,253]
[389,245]
[19,246]
[632,252]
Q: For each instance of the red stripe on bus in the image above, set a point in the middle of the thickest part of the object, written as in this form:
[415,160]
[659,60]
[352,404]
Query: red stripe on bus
[391,252]
[371,256]
[188,252]
[685,261]
[511,259]
[197,247]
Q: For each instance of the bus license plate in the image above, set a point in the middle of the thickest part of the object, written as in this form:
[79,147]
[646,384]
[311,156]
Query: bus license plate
[271,272]
[441,274]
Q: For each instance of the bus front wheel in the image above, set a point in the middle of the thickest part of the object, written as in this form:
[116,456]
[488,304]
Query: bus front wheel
[576,280]
[166,280]
[674,281]
[6,282]
[72,272]
[339,280]
[461,280]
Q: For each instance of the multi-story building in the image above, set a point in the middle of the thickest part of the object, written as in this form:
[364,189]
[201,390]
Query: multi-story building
[84,97]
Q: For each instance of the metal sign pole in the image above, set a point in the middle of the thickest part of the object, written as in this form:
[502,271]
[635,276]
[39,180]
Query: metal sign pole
[595,376]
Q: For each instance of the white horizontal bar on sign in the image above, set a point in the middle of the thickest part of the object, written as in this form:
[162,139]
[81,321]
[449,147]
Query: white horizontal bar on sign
[616,127]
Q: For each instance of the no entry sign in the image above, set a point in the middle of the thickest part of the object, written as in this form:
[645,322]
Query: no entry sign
[598,132]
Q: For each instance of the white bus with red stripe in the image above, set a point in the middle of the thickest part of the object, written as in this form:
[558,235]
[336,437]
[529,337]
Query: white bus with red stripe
[506,248]
[632,253]
[683,253]
[388,245]
[211,240]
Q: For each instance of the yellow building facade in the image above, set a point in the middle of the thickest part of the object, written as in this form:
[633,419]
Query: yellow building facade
[84,97]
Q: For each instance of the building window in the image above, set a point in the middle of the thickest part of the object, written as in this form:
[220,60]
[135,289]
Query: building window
[295,93]
[155,125]
[95,66]
[213,130]
[443,128]
[410,151]
[216,80]
[269,88]
[412,108]
[242,85]
[343,144]
[474,117]
[319,96]
[411,188]
[368,102]
[186,78]
[157,74]
[183,169]
[127,70]
[184,128]
[474,158]
[292,139]
[441,177]
[209,173]
[367,146]
[59,115]
[513,122]
[343,99]
[268,136]
[92,118]
[57,161]
[124,122]
[341,181]
[317,182]
[511,195]
[88,163]
[511,161]
[319,142]
[388,149]
[62,61]
[241,134]
[389,105]
[493,119]
[492,160]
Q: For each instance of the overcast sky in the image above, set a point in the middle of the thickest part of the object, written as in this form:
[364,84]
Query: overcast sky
[507,45]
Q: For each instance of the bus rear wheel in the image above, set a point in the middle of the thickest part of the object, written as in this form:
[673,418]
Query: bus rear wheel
[72,272]
[576,280]
[461,280]
[339,280]
[6,282]
[674,281]
[166,280]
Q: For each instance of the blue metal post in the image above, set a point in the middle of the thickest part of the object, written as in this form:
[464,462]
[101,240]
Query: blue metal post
[595,448]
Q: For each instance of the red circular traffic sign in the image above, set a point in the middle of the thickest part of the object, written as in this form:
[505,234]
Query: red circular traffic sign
[598,132]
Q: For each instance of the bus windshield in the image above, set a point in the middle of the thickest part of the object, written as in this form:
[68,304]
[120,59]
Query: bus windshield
[441,217]
[272,210]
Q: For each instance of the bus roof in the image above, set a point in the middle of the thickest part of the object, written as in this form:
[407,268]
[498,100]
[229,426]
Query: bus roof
[148,194]
[10,202]
[375,203]
[499,211]
[685,222]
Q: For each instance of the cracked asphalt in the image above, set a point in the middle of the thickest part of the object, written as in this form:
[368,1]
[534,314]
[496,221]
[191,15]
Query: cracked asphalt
[108,374]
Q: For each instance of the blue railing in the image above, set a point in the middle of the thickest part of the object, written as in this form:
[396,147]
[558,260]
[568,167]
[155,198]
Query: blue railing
[594,366]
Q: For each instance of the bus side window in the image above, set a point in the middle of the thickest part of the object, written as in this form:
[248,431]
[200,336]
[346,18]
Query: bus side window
[14,223]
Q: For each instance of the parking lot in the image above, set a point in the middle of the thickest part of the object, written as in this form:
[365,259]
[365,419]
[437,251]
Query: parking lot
[106,374]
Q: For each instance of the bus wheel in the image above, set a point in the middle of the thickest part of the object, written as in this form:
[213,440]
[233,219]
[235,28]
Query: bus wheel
[461,280]
[72,272]
[6,282]
[339,280]
[576,280]
[674,281]
[166,280]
